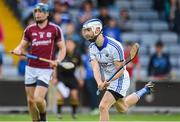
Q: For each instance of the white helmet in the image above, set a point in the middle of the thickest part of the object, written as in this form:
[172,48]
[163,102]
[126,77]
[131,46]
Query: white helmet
[93,24]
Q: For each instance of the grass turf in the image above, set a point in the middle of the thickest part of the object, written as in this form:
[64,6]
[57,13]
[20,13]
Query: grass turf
[86,117]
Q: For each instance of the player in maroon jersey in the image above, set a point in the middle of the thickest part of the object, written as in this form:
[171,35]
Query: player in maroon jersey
[42,38]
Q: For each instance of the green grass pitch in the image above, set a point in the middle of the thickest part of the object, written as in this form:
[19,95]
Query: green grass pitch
[87,117]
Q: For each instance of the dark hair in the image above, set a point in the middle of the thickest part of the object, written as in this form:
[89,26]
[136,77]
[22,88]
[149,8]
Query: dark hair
[159,44]
[87,2]
[128,43]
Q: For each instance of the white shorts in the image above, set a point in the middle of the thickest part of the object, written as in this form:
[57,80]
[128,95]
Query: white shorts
[33,74]
[120,85]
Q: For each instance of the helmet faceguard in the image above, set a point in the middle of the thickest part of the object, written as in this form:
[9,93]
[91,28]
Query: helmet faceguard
[93,24]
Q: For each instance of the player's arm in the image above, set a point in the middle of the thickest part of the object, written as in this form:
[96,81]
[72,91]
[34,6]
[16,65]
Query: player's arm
[21,47]
[96,71]
[62,51]
[61,45]
[55,76]
[61,54]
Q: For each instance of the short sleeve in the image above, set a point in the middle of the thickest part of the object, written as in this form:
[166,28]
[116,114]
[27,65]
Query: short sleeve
[118,53]
[59,34]
[26,34]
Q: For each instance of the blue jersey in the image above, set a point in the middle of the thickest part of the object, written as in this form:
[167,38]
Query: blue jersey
[111,51]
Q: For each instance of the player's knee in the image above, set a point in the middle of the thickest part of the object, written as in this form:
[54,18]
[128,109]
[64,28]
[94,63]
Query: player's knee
[122,109]
[103,107]
[38,100]
[30,101]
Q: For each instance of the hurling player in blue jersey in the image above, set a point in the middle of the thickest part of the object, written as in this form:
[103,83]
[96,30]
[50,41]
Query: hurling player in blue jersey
[106,56]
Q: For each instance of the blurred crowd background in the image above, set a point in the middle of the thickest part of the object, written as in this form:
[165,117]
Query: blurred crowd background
[154,24]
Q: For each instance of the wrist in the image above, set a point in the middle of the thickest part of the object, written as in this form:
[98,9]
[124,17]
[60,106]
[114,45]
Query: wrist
[58,60]
[99,83]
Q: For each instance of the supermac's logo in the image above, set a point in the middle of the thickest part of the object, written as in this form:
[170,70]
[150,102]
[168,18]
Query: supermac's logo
[36,42]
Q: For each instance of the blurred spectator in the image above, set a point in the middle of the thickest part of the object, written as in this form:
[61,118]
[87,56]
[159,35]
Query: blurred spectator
[86,12]
[61,15]
[66,79]
[90,84]
[57,6]
[112,30]
[175,17]
[124,18]
[21,66]
[105,3]
[70,2]
[63,10]
[159,6]
[173,8]
[104,16]
[71,33]
[64,14]
[56,18]
[159,65]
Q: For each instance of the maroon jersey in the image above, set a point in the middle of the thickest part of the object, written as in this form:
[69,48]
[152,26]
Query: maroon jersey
[42,42]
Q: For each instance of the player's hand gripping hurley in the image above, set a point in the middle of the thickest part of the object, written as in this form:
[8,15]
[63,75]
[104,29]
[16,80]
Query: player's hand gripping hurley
[133,52]
[66,65]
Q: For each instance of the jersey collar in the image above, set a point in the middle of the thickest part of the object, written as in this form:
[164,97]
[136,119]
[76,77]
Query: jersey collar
[44,27]
[104,43]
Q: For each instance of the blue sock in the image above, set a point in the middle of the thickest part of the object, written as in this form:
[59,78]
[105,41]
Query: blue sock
[142,92]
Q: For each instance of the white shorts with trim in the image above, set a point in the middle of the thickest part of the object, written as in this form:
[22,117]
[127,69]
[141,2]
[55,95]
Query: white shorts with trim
[120,85]
[33,74]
